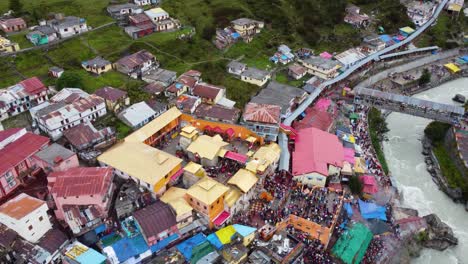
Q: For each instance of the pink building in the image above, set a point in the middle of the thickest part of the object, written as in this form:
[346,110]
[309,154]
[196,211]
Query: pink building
[17,165]
[82,196]
[56,158]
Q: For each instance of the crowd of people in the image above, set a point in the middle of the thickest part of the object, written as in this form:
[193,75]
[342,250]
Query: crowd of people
[318,205]
[314,253]
[363,139]
[374,251]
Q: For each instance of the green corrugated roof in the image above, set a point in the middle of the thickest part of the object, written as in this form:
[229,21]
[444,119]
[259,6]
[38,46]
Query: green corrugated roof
[200,251]
[352,245]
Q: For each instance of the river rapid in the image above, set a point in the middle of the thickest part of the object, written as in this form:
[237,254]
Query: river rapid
[406,163]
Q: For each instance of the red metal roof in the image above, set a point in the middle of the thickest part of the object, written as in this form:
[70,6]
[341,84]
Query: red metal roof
[13,22]
[263,113]
[136,59]
[156,218]
[22,148]
[315,150]
[154,88]
[33,85]
[8,133]
[110,93]
[205,90]
[81,181]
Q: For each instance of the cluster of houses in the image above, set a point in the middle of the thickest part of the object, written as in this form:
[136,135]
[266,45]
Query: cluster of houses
[243,29]
[138,22]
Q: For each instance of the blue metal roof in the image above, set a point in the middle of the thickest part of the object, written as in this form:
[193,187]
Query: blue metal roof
[126,247]
[163,243]
[188,245]
[244,230]
[91,256]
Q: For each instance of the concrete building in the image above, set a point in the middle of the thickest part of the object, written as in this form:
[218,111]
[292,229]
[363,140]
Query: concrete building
[263,119]
[137,115]
[286,96]
[161,19]
[206,150]
[149,167]
[137,64]
[68,108]
[320,67]
[265,160]
[82,191]
[8,46]
[244,181]
[207,198]
[255,76]
[21,97]
[56,158]
[247,28]
[175,197]
[115,98]
[12,24]
[97,65]
[17,149]
[209,93]
[27,216]
[68,26]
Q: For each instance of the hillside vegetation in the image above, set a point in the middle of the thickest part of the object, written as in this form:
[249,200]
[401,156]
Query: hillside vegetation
[316,24]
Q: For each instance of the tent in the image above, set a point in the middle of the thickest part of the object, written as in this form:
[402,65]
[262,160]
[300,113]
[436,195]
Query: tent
[353,116]
[352,244]
[349,209]
[347,170]
[370,185]
[452,67]
[372,210]
[349,155]
[326,55]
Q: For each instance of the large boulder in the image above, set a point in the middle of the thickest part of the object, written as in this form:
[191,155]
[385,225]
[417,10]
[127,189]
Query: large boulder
[439,235]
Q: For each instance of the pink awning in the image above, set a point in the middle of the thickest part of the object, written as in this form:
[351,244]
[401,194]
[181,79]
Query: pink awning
[221,218]
[218,130]
[230,132]
[349,155]
[176,175]
[322,104]
[326,55]
[208,128]
[236,156]
[368,179]
[370,184]
[288,128]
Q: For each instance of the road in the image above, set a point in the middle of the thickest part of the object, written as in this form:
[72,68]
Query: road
[283,139]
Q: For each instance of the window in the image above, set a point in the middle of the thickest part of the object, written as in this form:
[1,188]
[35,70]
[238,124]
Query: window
[41,218]
[204,207]
[30,227]
[191,199]
[65,29]
[10,179]
[198,203]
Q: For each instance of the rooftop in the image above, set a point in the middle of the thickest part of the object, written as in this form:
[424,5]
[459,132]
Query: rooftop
[154,219]
[279,94]
[110,93]
[207,190]
[146,163]
[84,134]
[315,150]
[255,73]
[96,62]
[81,181]
[321,62]
[262,113]
[244,180]
[154,88]
[217,112]
[244,21]
[136,114]
[20,206]
[206,90]
[136,59]
[207,147]
[54,153]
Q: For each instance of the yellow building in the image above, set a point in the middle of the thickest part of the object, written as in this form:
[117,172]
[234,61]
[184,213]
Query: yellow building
[247,27]
[7,46]
[207,198]
[193,172]
[97,65]
[207,149]
[149,167]
[187,136]
[244,181]
[136,159]
[175,197]
[265,160]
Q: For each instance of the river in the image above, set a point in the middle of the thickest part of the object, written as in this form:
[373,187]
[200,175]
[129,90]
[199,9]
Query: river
[403,153]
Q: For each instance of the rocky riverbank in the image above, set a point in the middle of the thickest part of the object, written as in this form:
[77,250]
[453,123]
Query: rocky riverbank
[434,169]
[422,232]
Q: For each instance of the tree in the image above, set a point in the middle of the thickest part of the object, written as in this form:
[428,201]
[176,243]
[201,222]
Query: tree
[436,131]
[69,80]
[16,6]
[425,77]
[355,185]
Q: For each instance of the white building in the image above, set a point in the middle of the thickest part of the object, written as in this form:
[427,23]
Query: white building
[142,2]
[21,97]
[27,216]
[137,115]
[68,108]
[420,11]
[68,26]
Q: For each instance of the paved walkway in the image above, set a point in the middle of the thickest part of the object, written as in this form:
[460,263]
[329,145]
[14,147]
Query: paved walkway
[283,139]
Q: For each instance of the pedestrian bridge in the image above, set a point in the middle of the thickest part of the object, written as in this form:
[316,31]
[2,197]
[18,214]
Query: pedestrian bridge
[409,105]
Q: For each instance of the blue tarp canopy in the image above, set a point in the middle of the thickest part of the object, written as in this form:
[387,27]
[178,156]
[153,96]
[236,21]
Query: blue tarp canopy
[465,58]
[100,229]
[244,230]
[372,211]
[163,243]
[385,38]
[188,245]
[235,35]
[214,240]
[126,247]
[348,208]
